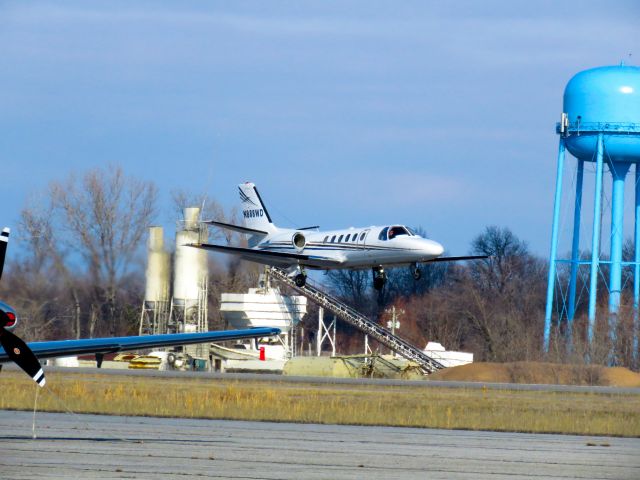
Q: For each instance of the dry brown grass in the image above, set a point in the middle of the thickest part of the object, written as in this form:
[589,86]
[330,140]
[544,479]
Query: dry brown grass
[540,373]
[479,409]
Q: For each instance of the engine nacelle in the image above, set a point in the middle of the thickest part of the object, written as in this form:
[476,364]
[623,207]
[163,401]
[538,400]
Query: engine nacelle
[8,317]
[299,241]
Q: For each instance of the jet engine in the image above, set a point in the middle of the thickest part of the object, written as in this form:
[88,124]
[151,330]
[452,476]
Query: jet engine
[299,241]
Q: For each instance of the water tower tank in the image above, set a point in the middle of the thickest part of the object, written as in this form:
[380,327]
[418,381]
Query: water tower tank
[607,100]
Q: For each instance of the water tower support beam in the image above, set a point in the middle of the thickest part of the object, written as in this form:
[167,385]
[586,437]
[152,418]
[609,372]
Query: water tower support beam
[575,250]
[595,241]
[636,266]
[554,245]
[619,172]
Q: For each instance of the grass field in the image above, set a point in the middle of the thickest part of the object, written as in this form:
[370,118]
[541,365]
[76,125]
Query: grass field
[474,409]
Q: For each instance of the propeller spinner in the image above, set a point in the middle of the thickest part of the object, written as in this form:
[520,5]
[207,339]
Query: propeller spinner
[16,349]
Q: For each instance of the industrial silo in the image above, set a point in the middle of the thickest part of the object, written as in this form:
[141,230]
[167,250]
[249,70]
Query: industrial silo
[155,306]
[600,126]
[190,276]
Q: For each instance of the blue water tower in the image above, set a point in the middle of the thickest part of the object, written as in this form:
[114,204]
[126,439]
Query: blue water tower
[600,123]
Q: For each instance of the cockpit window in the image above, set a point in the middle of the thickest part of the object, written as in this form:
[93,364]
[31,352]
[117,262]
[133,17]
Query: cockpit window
[383,234]
[412,232]
[396,231]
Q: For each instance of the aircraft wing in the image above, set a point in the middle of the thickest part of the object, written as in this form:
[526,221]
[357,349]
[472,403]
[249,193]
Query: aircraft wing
[236,228]
[268,257]
[458,259]
[62,348]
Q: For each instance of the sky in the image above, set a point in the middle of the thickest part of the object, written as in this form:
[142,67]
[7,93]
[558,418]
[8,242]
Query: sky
[438,115]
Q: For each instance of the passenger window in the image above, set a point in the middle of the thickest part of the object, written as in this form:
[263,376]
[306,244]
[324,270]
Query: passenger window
[362,236]
[346,239]
[340,239]
[333,239]
[383,234]
[325,239]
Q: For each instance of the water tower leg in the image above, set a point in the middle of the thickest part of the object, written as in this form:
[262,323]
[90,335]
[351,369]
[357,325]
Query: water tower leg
[575,252]
[554,246]
[595,242]
[619,173]
[636,267]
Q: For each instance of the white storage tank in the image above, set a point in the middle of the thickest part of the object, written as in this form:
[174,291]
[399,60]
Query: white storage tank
[157,273]
[190,265]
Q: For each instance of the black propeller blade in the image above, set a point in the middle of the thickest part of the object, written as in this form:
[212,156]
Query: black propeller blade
[22,355]
[4,240]
[16,349]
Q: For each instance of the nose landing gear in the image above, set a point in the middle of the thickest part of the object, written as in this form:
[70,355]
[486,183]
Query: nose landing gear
[379,278]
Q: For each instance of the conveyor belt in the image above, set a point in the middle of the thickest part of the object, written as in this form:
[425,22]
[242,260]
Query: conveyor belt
[362,323]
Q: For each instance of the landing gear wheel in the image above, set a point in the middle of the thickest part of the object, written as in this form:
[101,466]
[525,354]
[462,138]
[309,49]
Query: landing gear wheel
[378,283]
[379,278]
[300,279]
[416,272]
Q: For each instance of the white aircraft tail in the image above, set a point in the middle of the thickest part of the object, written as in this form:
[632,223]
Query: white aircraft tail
[254,212]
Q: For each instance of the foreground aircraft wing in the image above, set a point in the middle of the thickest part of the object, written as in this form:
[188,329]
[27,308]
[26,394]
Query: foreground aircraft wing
[458,259]
[62,348]
[236,228]
[268,257]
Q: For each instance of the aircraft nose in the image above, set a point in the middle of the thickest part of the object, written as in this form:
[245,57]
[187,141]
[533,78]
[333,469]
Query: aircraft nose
[434,248]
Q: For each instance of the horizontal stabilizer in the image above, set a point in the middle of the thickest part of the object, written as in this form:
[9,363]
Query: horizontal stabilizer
[236,228]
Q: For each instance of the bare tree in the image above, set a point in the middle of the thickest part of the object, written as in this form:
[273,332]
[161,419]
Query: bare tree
[46,265]
[89,230]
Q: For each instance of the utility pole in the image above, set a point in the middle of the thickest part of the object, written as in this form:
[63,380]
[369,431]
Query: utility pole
[394,323]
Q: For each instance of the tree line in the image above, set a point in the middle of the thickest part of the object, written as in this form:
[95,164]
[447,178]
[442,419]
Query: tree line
[80,273]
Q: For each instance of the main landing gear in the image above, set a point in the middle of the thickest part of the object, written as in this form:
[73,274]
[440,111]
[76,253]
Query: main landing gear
[299,276]
[300,279]
[379,278]
[416,272]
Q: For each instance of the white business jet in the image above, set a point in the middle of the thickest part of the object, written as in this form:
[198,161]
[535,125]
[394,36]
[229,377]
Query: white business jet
[296,250]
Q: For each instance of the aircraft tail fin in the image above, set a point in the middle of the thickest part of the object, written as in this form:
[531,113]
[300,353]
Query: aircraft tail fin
[255,214]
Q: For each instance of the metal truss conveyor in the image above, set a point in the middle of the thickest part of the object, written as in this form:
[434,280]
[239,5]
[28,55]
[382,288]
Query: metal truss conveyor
[362,323]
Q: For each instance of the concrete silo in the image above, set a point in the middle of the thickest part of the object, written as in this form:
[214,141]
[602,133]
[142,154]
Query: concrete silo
[600,127]
[155,307]
[190,276]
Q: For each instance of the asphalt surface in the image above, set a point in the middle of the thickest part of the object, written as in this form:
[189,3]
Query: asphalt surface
[92,447]
[349,381]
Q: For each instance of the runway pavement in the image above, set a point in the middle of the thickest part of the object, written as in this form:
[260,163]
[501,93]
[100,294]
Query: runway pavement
[90,446]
